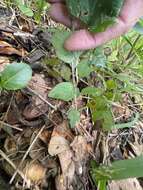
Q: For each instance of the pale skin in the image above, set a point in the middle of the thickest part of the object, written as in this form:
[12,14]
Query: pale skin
[82,39]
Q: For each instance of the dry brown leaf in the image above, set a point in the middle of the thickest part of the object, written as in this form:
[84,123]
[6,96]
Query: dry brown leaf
[64,131]
[7,49]
[11,117]
[37,106]
[80,148]
[67,165]
[35,172]
[10,145]
[45,136]
[128,184]
[81,151]
[58,145]
[4,61]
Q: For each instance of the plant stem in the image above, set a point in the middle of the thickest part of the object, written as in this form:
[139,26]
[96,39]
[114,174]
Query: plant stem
[133,45]
[75,77]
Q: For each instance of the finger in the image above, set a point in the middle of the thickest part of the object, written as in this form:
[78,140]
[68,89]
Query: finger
[56,1]
[83,39]
[59,13]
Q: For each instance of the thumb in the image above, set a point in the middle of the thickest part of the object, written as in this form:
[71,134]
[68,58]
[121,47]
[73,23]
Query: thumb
[83,39]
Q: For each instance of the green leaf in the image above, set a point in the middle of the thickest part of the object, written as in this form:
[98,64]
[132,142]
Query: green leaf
[41,7]
[65,72]
[119,170]
[58,40]
[16,76]
[63,91]
[113,57]
[24,8]
[101,112]
[74,117]
[92,91]
[111,84]
[84,69]
[98,58]
[96,14]
[127,125]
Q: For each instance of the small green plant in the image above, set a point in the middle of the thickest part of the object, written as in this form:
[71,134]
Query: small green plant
[15,76]
[33,9]
[112,83]
[115,75]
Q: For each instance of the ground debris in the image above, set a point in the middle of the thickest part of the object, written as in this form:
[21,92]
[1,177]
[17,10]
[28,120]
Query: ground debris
[128,184]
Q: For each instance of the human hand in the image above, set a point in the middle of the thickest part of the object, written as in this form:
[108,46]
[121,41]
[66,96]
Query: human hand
[83,39]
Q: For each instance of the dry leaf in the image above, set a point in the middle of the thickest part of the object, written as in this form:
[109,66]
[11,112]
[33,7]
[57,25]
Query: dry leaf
[64,131]
[58,145]
[45,136]
[81,151]
[10,145]
[37,106]
[80,148]
[35,172]
[128,184]
[4,61]
[7,49]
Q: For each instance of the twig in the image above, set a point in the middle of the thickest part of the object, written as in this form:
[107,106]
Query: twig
[23,34]
[11,126]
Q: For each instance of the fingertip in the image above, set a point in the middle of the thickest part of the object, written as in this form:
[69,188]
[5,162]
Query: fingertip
[84,40]
[80,40]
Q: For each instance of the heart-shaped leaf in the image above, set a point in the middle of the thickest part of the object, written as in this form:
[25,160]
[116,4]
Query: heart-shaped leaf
[58,40]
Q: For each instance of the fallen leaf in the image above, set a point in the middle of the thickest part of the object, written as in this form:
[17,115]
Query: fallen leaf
[81,151]
[125,185]
[37,176]
[4,61]
[45,136]
[64,131]
[80,148]
[10,145]
[37,106]
[58,145]
[7,49]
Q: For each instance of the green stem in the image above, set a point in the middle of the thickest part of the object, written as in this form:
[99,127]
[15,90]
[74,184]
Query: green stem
[102,185]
